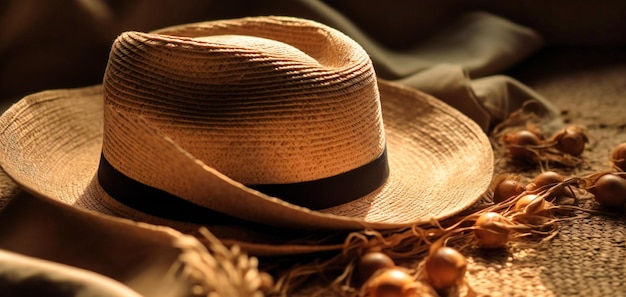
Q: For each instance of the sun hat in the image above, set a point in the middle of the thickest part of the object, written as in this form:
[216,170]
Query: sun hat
[278,121]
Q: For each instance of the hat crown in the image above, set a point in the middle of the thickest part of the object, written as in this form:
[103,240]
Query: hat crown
[296,102]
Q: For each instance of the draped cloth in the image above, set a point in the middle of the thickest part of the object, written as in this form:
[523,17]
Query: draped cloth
[459,56]
[458,63]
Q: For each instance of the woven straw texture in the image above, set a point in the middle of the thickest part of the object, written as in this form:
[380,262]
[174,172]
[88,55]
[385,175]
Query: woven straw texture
[588,256]
[251,109]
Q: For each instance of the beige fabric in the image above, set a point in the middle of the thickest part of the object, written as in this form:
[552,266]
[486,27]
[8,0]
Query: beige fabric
[30,277]
[151,260]
[142,257]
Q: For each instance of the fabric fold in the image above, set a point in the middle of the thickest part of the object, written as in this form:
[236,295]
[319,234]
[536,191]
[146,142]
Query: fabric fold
[473,46]
[27,276]
[81,252]
[501,95]
[452,84]
[458,59]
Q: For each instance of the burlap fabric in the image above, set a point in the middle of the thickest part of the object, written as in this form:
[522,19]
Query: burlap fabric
[588,256]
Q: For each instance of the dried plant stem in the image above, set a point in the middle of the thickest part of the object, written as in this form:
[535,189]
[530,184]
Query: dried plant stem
[412,244]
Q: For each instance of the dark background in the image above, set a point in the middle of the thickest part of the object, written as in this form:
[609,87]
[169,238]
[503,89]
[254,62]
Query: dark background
[65,43]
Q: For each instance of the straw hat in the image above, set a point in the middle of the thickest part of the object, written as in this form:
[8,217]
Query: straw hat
[272,120]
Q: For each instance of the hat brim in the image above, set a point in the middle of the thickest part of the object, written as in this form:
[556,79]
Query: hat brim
[440,163]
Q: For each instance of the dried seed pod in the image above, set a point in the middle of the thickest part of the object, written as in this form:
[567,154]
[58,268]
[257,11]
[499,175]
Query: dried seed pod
[618,156]
[609,191]
[532,204]
[391,282]
[507,188]
[266,283]
[489,230]
[553,179]
[368,265]
[520,143]
[445,267]
[543,179]
[571,140]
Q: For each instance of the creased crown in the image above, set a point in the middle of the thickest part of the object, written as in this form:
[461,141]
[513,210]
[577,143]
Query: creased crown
[272,100]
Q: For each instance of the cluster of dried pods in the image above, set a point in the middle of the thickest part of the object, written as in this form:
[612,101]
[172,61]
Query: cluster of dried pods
[432,262]
[520,134]
[609,187]
[519,210]
[377,275]
[416,261]
[530,144]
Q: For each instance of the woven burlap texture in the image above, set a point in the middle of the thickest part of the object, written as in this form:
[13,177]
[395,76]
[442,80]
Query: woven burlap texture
[588,256]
